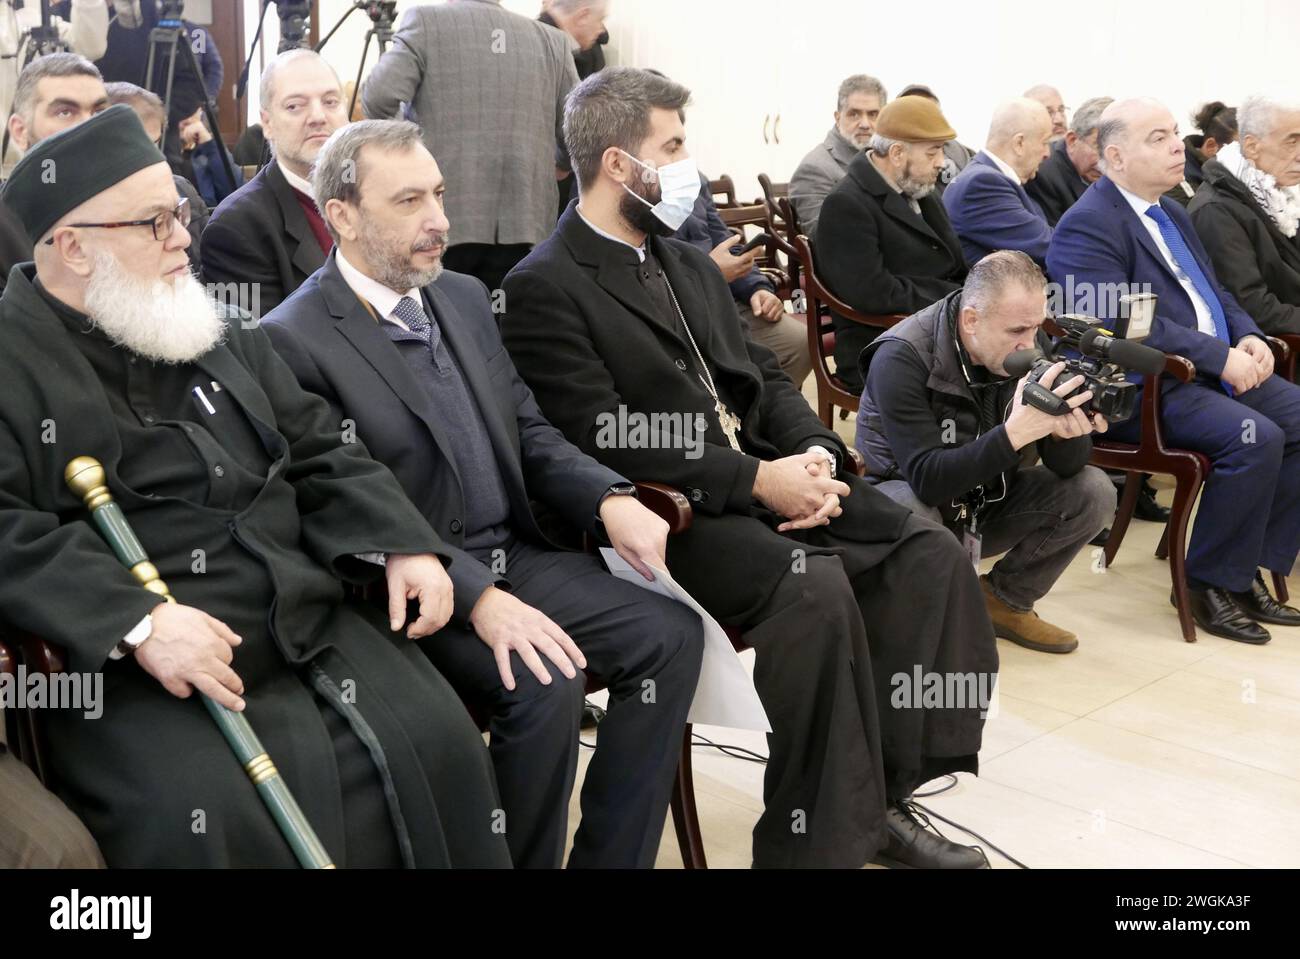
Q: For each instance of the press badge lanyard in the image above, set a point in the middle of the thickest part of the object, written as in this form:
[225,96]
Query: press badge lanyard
[969,507]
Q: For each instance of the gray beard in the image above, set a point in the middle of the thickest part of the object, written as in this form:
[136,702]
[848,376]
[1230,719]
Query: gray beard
[164,323]
[393,271]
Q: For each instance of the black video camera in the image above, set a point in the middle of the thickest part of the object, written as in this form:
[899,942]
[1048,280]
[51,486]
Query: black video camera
[1103,361]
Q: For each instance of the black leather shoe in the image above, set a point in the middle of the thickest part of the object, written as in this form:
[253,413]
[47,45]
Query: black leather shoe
[1215,612]
[1258,603]
[912,846]
[1100,538]
[1147,508]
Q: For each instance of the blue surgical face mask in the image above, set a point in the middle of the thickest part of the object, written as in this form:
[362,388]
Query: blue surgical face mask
[679,186]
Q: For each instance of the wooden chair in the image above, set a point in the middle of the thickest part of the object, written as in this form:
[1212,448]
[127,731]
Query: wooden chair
[782,225]
[27,741]
[725,187]
[1189,470]
[1292,341]
[820,304]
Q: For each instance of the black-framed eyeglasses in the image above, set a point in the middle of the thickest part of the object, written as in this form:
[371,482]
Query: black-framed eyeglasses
[163,224]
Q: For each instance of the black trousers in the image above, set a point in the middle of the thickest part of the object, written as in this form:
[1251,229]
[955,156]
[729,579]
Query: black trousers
[646,649]
[835,640]
[489,262]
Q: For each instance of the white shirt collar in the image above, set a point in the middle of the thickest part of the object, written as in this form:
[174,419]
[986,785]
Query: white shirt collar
[373,292]
[1139,205]
[640,250]
[1003,166]
[295,181]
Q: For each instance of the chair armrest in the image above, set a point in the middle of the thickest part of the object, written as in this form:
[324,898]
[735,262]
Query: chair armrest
[668,504]
[1281,351]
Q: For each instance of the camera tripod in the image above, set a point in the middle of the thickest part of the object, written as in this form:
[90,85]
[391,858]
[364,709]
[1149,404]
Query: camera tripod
[382,14]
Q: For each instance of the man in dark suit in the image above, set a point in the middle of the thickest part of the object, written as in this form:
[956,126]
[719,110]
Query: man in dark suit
[1249,222]
[1072,165]
[989,207]
[409,358]
[884,244]
[269,233]
[610,317]
[1237,413]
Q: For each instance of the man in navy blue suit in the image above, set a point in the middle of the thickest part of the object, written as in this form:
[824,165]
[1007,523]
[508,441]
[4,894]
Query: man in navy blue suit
[987,202]
[1237,413]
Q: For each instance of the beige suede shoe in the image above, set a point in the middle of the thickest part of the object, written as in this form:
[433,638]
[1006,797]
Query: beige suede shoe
[1026,629]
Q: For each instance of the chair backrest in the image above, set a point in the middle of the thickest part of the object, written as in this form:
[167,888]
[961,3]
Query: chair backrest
[820,304]
[779,207]
[725,187]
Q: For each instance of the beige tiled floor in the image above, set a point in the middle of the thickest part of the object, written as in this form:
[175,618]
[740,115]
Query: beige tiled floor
[1137,750]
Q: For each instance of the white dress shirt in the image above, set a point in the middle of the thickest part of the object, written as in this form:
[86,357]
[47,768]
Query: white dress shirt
[375,293]
[1204,317]
[1005,167]
[295,181]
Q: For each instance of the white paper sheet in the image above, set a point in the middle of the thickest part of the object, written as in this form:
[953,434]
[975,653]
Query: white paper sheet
[725,695]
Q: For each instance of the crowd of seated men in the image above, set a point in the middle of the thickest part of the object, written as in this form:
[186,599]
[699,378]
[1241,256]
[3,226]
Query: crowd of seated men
[384,453]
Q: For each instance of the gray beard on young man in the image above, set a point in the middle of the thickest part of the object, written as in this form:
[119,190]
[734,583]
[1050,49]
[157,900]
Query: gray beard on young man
[165,322]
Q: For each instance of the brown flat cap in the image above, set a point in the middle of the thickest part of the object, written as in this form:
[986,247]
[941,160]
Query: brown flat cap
[914,119]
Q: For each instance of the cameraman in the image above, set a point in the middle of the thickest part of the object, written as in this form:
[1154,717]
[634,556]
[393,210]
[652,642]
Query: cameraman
[944,431]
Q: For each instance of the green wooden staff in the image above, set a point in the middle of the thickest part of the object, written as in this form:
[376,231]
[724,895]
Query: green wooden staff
[85,476]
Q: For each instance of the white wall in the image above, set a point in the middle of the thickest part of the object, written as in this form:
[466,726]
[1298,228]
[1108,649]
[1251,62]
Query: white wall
[750,60]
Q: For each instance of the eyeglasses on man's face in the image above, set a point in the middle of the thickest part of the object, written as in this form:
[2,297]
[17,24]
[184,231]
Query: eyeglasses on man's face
[162,224]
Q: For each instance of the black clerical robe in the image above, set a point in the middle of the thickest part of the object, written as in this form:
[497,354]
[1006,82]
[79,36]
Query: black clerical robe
[253,506]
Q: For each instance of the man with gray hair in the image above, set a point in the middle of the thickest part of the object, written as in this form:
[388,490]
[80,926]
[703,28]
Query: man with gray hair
[269,234]
[487,87]
[1072,166]
[989,207]
[861,98]
[411,354]
[945,431]
[1123,233]
[1050,97]
[1247,213]
[884,244]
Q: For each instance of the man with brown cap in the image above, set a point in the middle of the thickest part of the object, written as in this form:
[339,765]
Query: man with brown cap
[843,594]
[254,505]
[884,244]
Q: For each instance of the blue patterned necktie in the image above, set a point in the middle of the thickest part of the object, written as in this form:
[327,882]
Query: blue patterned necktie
[1187,263]
[413,314]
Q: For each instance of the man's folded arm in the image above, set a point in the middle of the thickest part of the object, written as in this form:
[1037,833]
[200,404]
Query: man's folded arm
[61,581]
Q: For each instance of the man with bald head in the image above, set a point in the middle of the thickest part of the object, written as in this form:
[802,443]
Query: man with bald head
[987,203]
[254,509]
[1236,412]
[269,231]
[1050,97]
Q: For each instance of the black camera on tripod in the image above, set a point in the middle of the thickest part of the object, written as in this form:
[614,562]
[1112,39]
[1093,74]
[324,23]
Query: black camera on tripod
[1103,361]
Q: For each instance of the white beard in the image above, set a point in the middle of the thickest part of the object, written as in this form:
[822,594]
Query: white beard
[165,323]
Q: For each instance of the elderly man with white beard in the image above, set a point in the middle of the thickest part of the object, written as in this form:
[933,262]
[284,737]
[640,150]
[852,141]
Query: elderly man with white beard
[255,507]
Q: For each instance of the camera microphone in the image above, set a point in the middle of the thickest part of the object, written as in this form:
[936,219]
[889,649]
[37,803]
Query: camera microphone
[1123,353]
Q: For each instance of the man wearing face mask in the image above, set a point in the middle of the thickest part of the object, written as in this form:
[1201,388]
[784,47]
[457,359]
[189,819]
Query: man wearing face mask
[945,431]
[785,543]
